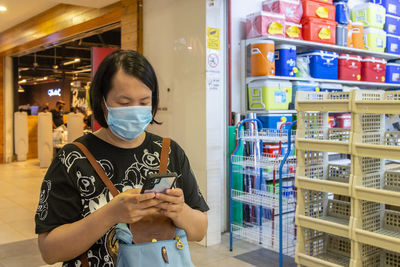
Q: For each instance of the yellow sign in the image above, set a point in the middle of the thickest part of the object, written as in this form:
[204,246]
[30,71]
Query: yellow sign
[293,32]
[324,34]
[275,28]
[322,12]
[213,38]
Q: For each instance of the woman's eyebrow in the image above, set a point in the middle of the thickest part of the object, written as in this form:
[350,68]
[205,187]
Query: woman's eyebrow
[145,98]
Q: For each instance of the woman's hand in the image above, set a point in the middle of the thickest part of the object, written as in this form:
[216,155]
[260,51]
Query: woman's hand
[172,203]
[131,206]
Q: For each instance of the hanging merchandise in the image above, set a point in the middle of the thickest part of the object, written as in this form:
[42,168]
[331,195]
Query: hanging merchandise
[349,67]
[342,12]
[264,24]
[392,6]
[330,87]
[285,60]
[323,64]
[371,15]
[393,73]
[374,40]
[304,86]
[314,9]
[292,9]
[373,69]
[341,34]
[269,95]
[262,58]
[392,25]
[293,31]
[356,33]
[393,44]
[319,30]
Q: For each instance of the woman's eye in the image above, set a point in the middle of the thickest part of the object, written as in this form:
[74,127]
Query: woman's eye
[145,104]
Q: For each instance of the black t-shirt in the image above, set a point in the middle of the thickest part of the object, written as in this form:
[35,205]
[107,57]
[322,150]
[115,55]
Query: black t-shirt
[72,190]
[57,117]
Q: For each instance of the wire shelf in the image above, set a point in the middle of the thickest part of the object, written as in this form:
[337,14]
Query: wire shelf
[266,135]
[266,161]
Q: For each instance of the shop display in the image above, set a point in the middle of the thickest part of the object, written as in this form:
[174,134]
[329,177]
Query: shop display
[323,64]
[373,69]
[393,73]
[262,58]
[392,6]
[319,30]
[349,67]
[314,9]
[264,24]
[285,60]
[393,44]
[374,39]
[371,15]
[292,9]
[269,95]
[293,31]
[392,25]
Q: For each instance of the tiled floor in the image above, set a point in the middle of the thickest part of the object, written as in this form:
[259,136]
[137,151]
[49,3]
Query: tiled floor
[20,184]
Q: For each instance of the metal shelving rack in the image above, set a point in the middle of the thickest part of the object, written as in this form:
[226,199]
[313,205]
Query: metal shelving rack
[274,226]
[366,230]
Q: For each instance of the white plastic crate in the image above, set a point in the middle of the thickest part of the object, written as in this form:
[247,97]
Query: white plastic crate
[392,181]
[313,157]
[322,96]
[322,101]
[366,95]
[339,134]
[339,173]
[377,102]
[371,122]
[313,120]
[330,248]
[381,258]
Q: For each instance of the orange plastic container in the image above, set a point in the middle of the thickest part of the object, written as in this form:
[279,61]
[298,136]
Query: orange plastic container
[357,33]
[319,30]
[263,58]
[314,9]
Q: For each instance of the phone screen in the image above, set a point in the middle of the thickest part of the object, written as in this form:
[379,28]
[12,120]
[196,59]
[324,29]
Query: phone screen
[158,183]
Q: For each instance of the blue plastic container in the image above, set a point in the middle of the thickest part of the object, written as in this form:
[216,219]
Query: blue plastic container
[393,44]
[393,73]
[335,1]
[392,25]
[274,121]
[392,6]
[342,12]
[323,64]
[330,87]
[285,60]
[303,86]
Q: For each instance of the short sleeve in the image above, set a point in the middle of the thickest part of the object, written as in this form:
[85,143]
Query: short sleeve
[191,191]
[59,202]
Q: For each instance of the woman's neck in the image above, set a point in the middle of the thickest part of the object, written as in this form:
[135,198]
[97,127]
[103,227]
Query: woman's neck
[106,135]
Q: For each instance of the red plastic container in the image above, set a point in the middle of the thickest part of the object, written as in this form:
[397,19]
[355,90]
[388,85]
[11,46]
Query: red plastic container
[265,23]
[342,120]
[373,69]
[329,2]
[292,9]
[319,30]
[293,31]
[349,67]
[315,9]
[271,150]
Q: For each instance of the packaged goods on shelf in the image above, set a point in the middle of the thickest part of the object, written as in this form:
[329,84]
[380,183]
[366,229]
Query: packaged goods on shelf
[274,121]
[330,87]
[392,25]
[285,60]
[262,58]
[292,9]
[303,86]
[392,122]
[374,39]
[373,69]
[393,73]
[269,95]
[349,67]
[393,44]
[355,36]
[323,64]
[392,6]
[342,12]
[319,30]
[303,67]
[371,15]
[293,30]
[341,34]
[314,9]
[264,24]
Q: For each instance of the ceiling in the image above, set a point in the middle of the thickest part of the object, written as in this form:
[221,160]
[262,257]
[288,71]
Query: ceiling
[20,10]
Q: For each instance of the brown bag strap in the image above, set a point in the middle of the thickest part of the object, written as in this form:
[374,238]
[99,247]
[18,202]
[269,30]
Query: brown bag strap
[164,155]
[84,260]
[99,170]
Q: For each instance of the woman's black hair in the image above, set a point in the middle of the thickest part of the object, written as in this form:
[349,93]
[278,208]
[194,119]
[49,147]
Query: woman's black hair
[132,63]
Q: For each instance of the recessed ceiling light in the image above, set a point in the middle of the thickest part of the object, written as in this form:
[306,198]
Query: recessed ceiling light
[3,8]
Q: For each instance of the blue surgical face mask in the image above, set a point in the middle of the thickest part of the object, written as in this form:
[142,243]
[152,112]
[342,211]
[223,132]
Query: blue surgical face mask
[128,122]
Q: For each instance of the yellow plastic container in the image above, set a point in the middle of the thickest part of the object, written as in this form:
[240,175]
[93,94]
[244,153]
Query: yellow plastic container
[371,15]
[269,95]
[374,39]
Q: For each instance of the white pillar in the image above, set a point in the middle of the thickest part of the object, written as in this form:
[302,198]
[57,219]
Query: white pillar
[21,135]
[45,139]
[75,126]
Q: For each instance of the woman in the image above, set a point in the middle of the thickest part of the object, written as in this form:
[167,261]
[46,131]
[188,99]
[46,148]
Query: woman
[76,212]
